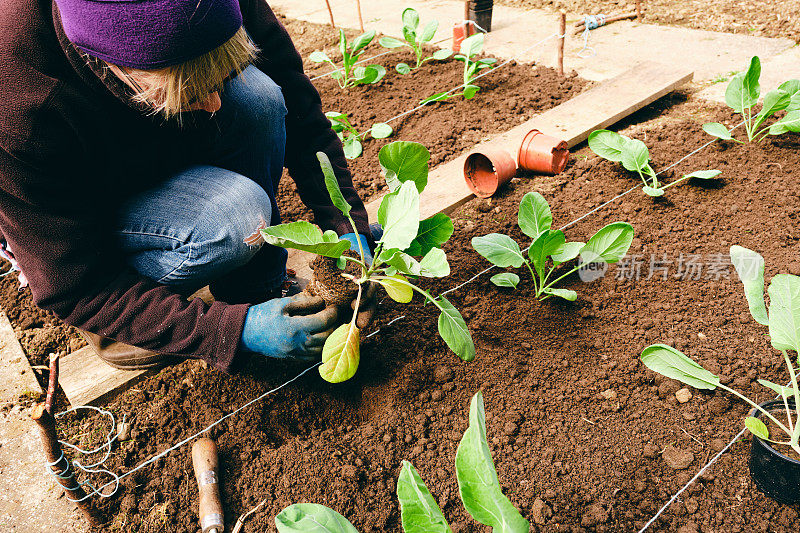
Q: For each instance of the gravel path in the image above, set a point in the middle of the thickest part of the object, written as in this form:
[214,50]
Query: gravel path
[764,18]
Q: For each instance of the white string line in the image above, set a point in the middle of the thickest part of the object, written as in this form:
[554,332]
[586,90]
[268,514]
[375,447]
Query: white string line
[370,59]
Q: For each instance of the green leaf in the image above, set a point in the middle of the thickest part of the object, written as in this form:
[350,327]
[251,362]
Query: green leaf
[454,330]
[790,86]
[534,217]
[303,235]
[400,218]
[362,41]
[438,97]
[784,312]
[470,91]
[607,144]
[501,250]
[380,130]
[433,233]
[671,363]
[337,198]
[402,68]
[391,42]
[756,427]
[750,267]
[397,290]
[442,54]
[703,174]
[548,243]
[790,122]
[561,293]
[343,47]
[319,57]
[369,75]
[635,155]
[352,147]
[786,392]
[410,18]
[774,101]
[401,262]
[609,244]
[434,264]
[472,45]
[652,191]
[405,161]
[505,279]
[419,512]
[429,31]
[717,130]
[341,354]
[570,251]
[743,90]
[477,479]
[312,518]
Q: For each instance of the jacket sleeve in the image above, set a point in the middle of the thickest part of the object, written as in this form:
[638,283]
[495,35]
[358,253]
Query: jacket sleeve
[52,222]
[308,131]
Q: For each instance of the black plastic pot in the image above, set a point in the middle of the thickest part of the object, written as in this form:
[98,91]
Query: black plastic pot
[480,11]
[774,474]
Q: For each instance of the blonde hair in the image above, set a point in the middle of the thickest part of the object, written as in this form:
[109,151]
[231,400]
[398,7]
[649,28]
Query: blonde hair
[170,90]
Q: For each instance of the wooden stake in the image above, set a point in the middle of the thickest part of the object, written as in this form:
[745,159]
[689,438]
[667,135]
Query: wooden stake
[638,10]
[52,382]
[330,13]
[466,11]
[360,17]
[579,26]
[59,464]
[562,30]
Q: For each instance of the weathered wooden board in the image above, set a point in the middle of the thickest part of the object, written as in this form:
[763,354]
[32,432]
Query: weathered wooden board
[16,374]
[87,380]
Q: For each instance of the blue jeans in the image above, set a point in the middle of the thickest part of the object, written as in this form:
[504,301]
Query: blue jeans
[190,229]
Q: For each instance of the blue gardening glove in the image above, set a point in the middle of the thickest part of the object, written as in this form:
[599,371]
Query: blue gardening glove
[293,328]
[354,245]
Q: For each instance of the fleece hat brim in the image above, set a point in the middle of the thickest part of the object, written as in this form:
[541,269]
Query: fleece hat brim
[149,34]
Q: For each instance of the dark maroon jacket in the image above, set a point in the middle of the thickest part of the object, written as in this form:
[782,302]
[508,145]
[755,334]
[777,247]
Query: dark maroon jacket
[73,147]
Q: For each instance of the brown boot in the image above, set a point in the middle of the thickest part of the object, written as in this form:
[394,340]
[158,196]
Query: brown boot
[124,356]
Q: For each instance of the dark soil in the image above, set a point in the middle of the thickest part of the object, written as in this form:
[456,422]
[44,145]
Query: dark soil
[576,424]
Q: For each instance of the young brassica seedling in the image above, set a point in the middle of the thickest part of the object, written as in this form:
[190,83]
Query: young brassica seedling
[783,320]
[549,249]
[635,157]
[405,237]
[415,42]
[349,75]
[349,135]
[470,47]
[478,487]
[742,95]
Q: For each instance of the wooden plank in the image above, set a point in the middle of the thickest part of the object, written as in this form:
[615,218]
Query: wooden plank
[88,380]
[16,375]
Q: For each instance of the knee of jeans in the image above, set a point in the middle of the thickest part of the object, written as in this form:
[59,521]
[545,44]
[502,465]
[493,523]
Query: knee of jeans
[263,97]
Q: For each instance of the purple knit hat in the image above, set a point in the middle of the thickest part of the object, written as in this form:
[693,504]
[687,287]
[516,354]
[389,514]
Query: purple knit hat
[149,34]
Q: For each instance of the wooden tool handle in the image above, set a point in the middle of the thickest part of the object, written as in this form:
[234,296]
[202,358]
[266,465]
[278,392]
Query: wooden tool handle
[204,459]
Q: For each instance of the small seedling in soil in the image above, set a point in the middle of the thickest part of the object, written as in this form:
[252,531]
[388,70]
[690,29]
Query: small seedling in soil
[549,249]
[414,41]
[470,47]
[635,157]
[783,320]
[349,75]
[742,96]
[339,276]
[478,487]
[349,135]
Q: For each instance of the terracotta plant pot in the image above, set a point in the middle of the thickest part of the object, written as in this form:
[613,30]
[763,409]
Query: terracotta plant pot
[489,170]
[774,474]
[462,30]
[543,153]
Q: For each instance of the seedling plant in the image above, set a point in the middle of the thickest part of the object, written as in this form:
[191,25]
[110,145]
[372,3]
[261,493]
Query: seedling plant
[405,237]
[635,157]
[742,95]
[549,249]
[470,47]
[415,41]
[349,75]
[783,320]
[478,487]
[349,135]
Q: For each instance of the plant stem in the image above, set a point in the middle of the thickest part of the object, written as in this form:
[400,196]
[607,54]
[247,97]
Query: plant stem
[425,293]
[796,430]
[560,278]
[674,183]
[758,407]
